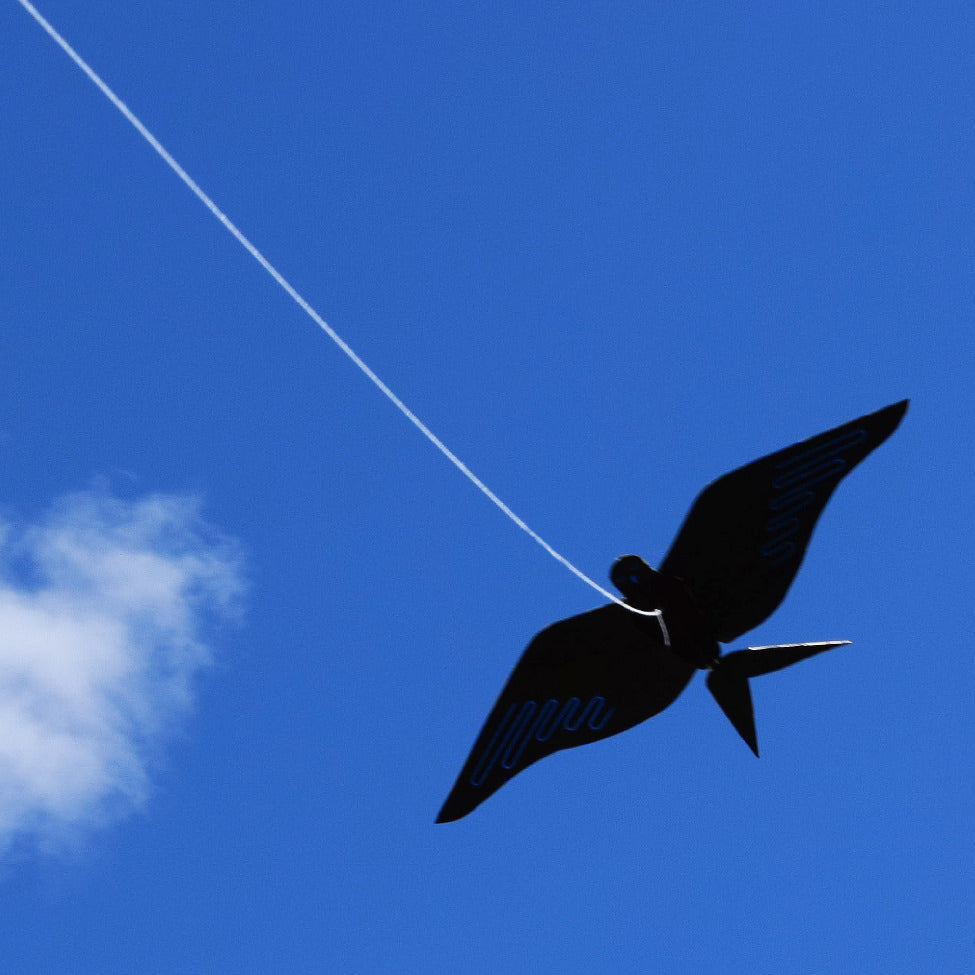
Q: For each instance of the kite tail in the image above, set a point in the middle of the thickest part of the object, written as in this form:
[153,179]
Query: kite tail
[728,680]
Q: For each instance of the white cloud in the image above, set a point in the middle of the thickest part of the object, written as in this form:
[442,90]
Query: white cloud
[104,606]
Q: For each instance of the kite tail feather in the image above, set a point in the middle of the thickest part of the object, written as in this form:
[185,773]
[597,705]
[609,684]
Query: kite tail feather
[734,697]
[728,681]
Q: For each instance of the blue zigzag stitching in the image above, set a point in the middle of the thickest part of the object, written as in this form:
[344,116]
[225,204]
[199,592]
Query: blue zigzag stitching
[793,492]
[517,728]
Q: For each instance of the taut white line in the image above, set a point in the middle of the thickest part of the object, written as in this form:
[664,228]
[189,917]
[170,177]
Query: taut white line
[311,313]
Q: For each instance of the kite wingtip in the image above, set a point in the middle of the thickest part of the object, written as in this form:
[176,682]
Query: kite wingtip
[446,815]
[900,408]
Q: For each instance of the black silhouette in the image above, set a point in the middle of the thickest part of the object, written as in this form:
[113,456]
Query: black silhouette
[597,674]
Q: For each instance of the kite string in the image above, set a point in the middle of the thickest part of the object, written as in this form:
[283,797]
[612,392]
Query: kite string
[314,316]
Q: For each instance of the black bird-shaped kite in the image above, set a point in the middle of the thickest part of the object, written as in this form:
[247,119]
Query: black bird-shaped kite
[597,674]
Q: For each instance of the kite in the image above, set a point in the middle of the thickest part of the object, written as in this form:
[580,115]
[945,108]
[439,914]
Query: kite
[597,674]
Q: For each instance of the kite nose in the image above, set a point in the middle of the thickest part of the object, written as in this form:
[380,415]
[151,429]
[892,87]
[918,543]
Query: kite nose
[630,574]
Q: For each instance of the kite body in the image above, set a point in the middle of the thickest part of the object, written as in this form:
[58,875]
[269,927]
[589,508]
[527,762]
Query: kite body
[597,674]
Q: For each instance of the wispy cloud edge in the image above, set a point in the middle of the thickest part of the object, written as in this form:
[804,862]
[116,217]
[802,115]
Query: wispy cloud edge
[106,607]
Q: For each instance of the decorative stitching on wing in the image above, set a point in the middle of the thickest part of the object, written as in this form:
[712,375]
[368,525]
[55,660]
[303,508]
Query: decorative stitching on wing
[793,494]
[517,728]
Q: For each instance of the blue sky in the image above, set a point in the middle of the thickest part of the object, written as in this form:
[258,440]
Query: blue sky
[252,621]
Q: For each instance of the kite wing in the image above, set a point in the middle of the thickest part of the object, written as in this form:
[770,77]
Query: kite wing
[743,540]
[585,678]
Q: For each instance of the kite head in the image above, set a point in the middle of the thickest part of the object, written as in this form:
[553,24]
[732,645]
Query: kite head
[633,577]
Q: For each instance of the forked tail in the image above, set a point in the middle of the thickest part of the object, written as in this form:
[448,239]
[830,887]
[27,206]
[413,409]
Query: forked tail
[728,681]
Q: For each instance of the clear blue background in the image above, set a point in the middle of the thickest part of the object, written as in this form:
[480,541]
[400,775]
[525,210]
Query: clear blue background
[607,252]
